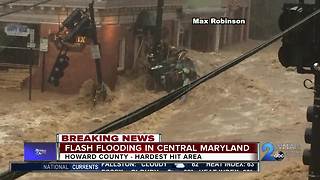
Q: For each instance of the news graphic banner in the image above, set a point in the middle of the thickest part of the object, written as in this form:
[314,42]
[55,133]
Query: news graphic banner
[158,152]
[136,167]
[136,152]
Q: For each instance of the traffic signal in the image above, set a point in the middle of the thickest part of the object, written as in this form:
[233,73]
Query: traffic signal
[80,28]
[76,24]
[71,21]
[298,46]
[57,72]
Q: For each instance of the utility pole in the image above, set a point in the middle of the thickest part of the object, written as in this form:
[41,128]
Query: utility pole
[100,91]
[312,135]
[157,37]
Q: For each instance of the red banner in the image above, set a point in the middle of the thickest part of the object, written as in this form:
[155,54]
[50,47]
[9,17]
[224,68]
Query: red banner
[158,148]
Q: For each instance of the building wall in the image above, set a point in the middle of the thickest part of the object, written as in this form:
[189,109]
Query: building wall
[115,18]
[209,38]
[109,37]
[263,28]
[203,38]
[82,66]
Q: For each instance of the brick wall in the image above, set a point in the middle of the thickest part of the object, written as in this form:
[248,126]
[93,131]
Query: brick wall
[82,66]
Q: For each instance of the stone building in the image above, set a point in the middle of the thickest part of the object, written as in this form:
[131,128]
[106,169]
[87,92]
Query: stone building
[208,38]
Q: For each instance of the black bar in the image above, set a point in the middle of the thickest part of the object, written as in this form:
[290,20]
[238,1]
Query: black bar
[138,167]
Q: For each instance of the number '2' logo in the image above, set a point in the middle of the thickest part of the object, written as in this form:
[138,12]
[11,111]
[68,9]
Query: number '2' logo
[268,148]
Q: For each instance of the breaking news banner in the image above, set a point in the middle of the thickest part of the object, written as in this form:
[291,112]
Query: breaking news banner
[136,152]
[96,138]
[158,151]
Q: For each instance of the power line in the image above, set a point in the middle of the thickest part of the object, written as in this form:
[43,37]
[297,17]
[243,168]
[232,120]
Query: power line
[25,8]
[18,48]
[9,2]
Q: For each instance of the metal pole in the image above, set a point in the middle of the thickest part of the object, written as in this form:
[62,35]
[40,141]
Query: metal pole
[30,76]
[43,71]
[157,36]
[100,92]
[314,169]
[95,42]
[158,32]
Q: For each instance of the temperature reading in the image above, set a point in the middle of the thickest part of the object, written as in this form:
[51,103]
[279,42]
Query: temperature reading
[195,165]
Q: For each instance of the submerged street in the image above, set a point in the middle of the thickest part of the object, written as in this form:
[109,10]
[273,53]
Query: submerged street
[258,100]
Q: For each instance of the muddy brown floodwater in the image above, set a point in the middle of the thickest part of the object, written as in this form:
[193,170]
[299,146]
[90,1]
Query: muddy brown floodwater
[258,100]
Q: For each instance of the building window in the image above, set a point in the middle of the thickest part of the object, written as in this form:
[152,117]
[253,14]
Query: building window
[122,55]
[15,51]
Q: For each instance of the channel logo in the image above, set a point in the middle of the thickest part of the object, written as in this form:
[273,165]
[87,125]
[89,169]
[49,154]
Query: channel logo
[270,153]
[34,151]
[40,152]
